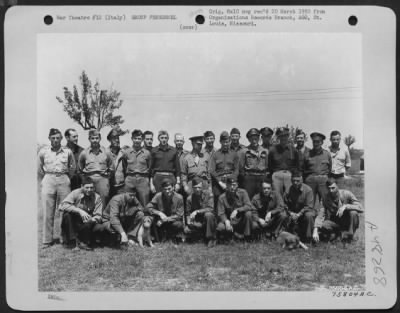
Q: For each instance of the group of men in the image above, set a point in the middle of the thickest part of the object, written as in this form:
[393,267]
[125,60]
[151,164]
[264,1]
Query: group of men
[234,191]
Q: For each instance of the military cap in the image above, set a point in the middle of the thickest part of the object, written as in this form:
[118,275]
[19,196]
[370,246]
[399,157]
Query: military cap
[166,182]
[54,131]
[94,132]
[114,133]
[231,180]
[253,132]
[224,136]
[196,181]
[299,132]
[197,139]
[317,134]
[209,133]
[282,131]
[234,130]
[265,131]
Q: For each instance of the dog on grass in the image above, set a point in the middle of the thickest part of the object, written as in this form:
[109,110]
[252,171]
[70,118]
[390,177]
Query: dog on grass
[290,241]
[143,235]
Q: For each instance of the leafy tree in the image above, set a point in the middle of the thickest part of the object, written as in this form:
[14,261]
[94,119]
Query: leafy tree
[90,106]
[349,140]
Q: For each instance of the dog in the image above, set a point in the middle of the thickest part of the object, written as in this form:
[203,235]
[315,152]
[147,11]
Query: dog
[143,235]
[290,241]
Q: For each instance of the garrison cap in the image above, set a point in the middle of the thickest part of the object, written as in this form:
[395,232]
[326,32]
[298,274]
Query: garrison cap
[209,133]
[196,180]
[224,135]
[94,132]
[114,133]
[282,131]
[317,134]
[253,132]
[231,180]
[234,130]
[266,131]
[197,139]
[54,131]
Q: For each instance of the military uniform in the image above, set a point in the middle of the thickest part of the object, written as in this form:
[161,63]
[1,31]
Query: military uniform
[117,181]
[56,167]
[164,164]
[75,178]
[194,165]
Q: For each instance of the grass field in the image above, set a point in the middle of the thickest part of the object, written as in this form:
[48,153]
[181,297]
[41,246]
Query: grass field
[260,266]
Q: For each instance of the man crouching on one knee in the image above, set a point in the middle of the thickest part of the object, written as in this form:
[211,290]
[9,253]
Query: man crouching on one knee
[339,214]
[126,215]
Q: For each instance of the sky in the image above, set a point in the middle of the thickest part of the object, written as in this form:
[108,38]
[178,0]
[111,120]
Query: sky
[191,83]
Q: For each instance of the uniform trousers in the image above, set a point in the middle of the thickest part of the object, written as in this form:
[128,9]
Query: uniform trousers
[281,181]
[142,185]
[318,186]
[131,224]
[204,223]
[348,223]
[102,187]
[274,226]
[167,230]
[74,228]
[243,223]
[54,189]
[303,226]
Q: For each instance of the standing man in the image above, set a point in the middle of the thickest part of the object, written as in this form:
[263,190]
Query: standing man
[55,165]
[317,166]
[167,209]
[118,179]
[125,214]
[235,137]
[200,213]
[266,135]
[341,161]
[164,164]
[282,159]
[299,201]
[235,211]
[95,162]
[339,214]
[195,164]
[300,147]
[224,163]
[179,142]
[148,140]
[209,138]
[270,211]
[71,136]
[82,210]
[138,161]
[253,164]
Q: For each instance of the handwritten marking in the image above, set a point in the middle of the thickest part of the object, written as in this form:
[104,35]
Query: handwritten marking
[377,257]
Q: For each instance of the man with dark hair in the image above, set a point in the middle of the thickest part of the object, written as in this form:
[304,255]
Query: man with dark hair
[235,143]
[71,135]
[317,166]
[200,213]
[235,211]
[253,164]
[148,140]
[97,163]
[266,136]
[282,159]
[300,146]
[339,214]
[167,209]
[299,201]
[341,161]
[82,210]
[55,164]
[270,212]
[195,164]
[209,138]
[138,161]
[224,163]
[164,164]
[126,215]
[117,154]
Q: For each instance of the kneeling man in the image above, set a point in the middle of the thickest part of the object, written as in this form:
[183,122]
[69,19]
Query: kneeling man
[270,212]
[82,210]
[339,214]
[235,211]
[167,209]
[200,212]
[125,214]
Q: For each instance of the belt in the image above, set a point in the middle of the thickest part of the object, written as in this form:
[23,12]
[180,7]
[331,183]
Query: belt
[255,173]
[164,173]
[138,174]
[94,173]
[56,174]
[319,175]
[282,171]
[336,175]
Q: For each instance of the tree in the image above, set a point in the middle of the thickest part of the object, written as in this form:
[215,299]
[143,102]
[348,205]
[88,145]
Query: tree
[92,107]
[349,140]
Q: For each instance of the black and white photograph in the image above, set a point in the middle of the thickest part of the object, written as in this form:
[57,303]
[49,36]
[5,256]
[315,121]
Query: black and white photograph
[209,161]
